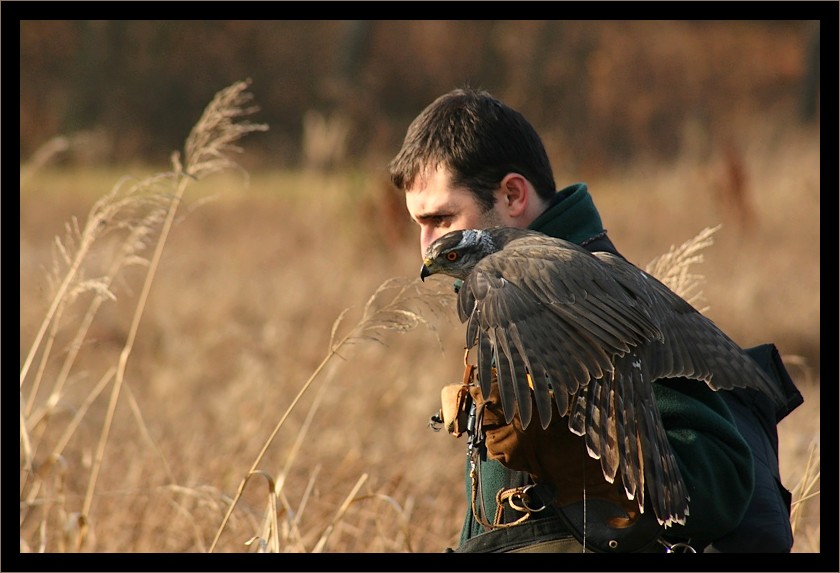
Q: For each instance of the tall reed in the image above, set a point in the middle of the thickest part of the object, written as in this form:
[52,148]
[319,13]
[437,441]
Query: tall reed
[393,307]
[137,217]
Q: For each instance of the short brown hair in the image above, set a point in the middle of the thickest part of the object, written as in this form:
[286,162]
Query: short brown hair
[479,139]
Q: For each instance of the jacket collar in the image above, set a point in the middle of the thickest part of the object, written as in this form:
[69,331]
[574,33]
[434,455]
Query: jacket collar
[571,216]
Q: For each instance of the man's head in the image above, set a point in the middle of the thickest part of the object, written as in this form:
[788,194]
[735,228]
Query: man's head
[470,161]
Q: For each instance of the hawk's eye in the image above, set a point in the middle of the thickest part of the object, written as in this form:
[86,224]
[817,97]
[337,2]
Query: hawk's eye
[452,256]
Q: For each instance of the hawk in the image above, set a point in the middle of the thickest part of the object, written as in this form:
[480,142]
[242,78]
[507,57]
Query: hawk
[592,332]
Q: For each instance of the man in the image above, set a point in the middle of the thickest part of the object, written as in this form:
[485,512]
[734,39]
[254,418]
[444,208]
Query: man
[470,161]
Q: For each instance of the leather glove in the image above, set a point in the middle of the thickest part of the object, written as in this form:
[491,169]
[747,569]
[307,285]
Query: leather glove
[553,455]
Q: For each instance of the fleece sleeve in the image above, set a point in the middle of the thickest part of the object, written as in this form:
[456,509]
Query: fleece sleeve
[715,461]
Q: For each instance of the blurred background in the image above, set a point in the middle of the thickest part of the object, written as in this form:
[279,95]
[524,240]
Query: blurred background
[676,125]
[602,93]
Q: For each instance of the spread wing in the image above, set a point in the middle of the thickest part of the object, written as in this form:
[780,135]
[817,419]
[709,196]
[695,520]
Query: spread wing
[592,333]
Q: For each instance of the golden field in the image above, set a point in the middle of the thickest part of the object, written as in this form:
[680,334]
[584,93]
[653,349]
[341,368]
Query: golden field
[240,315]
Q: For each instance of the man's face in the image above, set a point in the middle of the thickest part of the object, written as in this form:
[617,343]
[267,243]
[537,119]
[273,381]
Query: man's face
[438,207]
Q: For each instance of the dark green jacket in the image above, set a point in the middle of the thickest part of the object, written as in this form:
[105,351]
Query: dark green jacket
[714,459]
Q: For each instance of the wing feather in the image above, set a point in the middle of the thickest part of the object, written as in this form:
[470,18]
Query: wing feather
[485,363]
[592,417]
[630,465]
[518,377]
[609,433]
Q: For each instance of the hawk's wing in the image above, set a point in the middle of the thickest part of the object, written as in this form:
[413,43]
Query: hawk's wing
[694,347]
[557,311]
[594,332]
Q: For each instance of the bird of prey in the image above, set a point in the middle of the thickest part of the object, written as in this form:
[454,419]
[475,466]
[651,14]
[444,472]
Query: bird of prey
[592,332]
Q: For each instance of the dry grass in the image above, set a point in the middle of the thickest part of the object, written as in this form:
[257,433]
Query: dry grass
[281,379]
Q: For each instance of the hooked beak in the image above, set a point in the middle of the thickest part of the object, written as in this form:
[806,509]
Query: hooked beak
[424,272]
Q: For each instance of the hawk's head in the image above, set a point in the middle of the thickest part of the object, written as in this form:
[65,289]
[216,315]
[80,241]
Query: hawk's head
[457,252]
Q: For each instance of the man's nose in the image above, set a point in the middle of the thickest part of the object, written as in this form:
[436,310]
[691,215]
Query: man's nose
[427,237]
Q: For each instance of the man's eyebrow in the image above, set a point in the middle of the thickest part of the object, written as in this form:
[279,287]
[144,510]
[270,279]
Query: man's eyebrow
[443,212]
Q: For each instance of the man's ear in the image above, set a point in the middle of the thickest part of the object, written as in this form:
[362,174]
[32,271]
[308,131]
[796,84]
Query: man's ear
[515,195]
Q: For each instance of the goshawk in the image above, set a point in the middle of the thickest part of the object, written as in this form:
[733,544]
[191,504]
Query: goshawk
[592,332]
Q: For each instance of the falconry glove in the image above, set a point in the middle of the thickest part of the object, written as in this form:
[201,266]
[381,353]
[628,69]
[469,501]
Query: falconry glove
[596,512]
[553,455]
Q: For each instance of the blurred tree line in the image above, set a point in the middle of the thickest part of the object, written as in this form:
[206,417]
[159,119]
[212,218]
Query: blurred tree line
[344,91]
